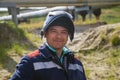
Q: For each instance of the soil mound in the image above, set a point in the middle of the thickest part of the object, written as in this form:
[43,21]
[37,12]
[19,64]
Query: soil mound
[93,37]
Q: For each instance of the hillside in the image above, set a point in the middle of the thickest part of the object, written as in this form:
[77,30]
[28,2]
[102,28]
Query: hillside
[99,37]
[13,45]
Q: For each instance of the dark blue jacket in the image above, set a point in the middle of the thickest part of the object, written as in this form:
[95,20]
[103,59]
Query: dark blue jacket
[43,64]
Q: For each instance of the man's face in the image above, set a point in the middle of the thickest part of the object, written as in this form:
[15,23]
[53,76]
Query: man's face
[56,36]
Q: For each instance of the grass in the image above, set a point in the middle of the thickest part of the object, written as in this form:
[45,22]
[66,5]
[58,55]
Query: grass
[14,40]
[115,40]
[111,15]
[114,55]
[108,60]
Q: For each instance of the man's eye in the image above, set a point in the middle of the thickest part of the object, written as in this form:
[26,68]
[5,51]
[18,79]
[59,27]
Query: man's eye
[53,31]
[64,32]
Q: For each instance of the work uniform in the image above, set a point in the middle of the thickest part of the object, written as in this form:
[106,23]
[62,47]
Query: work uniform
[44,64]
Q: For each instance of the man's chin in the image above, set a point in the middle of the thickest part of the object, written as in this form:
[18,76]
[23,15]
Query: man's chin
[58,47]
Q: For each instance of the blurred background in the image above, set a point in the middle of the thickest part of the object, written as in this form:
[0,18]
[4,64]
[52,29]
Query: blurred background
[97,33]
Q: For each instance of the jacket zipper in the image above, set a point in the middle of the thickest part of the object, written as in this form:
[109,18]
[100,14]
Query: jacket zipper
[64,66]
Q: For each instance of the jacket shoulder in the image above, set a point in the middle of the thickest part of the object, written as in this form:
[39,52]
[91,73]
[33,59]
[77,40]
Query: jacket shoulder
[34,54]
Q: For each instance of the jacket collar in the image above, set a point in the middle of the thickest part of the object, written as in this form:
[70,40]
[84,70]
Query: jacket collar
[45,51]
[48,52]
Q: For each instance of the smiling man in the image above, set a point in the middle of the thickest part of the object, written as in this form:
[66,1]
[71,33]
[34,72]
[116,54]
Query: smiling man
[53,60]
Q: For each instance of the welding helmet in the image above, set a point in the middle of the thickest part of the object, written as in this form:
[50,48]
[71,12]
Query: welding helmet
[59,18]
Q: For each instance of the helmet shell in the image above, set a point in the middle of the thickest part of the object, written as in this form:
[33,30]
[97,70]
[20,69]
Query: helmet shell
[59,18]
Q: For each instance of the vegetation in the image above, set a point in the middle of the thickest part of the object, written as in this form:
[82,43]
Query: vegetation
[13,40]
[115,40]
[111,15]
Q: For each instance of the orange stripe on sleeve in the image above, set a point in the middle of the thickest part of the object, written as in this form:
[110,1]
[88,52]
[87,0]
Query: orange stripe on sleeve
[34,53]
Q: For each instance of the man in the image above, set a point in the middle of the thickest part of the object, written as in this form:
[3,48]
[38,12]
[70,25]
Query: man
[53,60]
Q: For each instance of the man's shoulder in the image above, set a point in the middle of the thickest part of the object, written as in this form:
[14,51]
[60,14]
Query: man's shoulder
[34,54]
[31,57]
[77,59]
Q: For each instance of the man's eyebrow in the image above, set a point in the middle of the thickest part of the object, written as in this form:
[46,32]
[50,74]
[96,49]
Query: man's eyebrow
[51,29]
[56,29]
